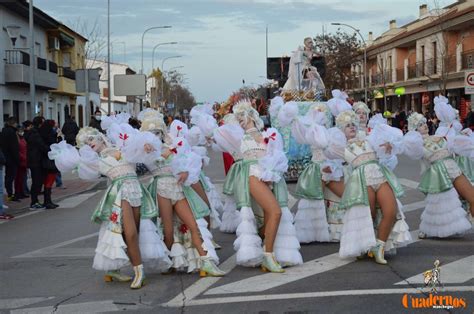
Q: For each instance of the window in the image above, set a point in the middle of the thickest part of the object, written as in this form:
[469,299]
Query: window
[66,59]
[435,58]
[422,60]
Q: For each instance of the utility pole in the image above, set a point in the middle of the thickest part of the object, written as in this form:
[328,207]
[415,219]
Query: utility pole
[32,61]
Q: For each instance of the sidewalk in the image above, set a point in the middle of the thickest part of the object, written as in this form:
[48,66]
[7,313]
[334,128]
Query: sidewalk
[73,185]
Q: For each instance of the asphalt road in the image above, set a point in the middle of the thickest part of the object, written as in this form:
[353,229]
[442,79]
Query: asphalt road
[46,258]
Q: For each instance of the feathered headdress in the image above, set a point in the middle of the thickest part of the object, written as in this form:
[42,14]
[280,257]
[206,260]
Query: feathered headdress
[243,109]
[415,120]
[152,120]
[88,134]
[361,105]
[345,118]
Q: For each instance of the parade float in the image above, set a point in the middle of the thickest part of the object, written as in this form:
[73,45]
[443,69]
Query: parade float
[305,87]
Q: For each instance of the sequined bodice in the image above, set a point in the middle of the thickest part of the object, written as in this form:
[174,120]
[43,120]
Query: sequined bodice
[358,152]
[435,148]
[251,149]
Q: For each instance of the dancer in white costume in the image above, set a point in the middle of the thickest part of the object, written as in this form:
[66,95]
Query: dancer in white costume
[227,138]
[264,164]
[127,233]
[185,235]
[368,184]
[441,180]
[311,219]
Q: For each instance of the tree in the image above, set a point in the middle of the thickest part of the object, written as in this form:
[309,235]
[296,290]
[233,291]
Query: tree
[340,50]
[96,42]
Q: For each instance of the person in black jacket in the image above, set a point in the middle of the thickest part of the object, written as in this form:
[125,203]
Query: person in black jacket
[10,147]
[95,121]
[50,136]
[70,130]
[37,150]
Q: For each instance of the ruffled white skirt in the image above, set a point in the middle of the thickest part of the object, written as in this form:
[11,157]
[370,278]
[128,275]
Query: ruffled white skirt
[248,244]
[444,215]
[311,222]
[287,246]
[230,215]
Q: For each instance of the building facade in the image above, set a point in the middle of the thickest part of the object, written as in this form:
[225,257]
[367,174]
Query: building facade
[58,53]
[15,64]
[408,66]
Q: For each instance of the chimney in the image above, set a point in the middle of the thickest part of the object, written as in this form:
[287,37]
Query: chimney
[371,36]
[393,24]
[423,9]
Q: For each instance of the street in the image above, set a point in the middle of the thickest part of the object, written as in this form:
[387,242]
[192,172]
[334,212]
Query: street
[45,267]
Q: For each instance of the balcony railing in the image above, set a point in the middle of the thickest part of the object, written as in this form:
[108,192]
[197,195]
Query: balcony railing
[17,57]
[382,79]
[21,57]
[467,59]
[67,73]
[53,67]
[41,63]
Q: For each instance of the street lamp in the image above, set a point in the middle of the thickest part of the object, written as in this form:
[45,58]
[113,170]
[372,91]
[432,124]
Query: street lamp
[162,73]
[365,54]
[143,37]
[153,53]
[13,32]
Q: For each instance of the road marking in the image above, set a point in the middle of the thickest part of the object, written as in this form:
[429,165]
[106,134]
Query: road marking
[74,201]
[24,215]
[268,281]
[200,286]
[458,271]
[20,302]
[322,294]
[47,250]
[413,206]
[408,183]
[86,307]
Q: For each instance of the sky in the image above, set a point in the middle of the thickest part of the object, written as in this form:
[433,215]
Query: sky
[222,42]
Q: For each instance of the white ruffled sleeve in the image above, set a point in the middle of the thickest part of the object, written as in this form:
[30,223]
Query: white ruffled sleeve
[205,122]
[134,151]
[89,164]
[288,112]
[385,134]
[185,160]
[461,145]
[65,156]
[228,138]
[275,162]
[336,144]
[376,120]
[275,105]
[413,145]
[121,134]
[195,136]
[337,170]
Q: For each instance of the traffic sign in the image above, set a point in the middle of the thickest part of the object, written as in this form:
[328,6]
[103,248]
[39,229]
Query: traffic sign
[469,82]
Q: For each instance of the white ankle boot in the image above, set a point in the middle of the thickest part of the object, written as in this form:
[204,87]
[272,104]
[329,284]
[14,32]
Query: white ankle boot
[139,279]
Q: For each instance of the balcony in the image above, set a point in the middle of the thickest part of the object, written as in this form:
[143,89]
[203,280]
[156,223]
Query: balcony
[17,70]
[382,79]
[467,60]
[66,82]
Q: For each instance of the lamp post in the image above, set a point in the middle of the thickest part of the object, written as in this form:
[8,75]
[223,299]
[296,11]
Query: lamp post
[163,74]
[143,37]
[141,68]
[365,54]
[153,53]
[32,60]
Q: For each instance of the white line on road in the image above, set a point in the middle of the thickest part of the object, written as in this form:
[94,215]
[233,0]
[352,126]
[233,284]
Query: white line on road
[322,294]
[413,206]
[46,250]
[22,216]
[458,271]
[408,183]
[201,285]
[20,302]
[72,202]
[271,280]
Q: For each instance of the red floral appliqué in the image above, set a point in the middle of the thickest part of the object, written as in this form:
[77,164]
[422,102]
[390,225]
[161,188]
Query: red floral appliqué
[183,229]
[174,150]
[114,217]
[271,137]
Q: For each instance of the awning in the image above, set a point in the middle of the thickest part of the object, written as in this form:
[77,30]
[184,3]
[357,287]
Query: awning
[66,40]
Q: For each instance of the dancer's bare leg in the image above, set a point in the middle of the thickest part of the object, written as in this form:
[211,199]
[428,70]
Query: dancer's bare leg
[372,202]
[388,204]
[166,215]
[337,187]
[185,213]
[466,190]
[130,232]
[264,197]
[199,189]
